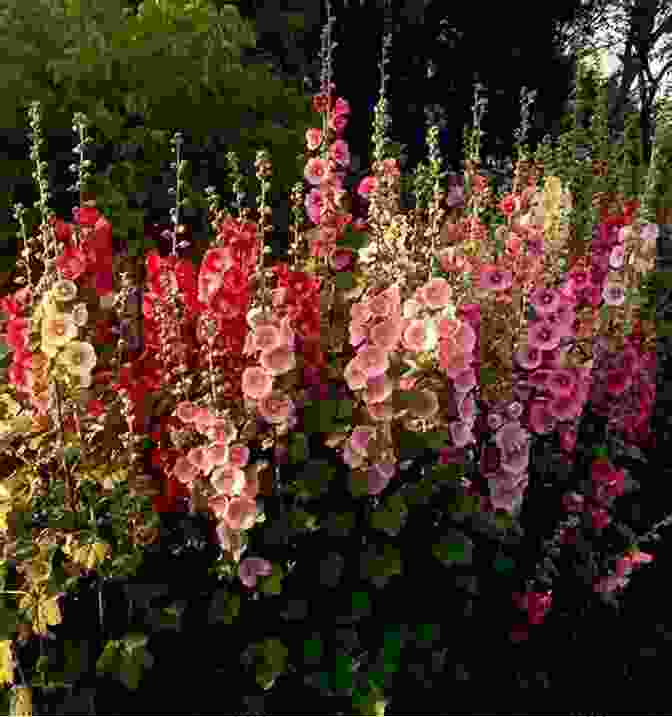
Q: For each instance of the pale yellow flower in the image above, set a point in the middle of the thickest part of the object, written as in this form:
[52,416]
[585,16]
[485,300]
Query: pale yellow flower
[78,357]
[57,331]
[80,315]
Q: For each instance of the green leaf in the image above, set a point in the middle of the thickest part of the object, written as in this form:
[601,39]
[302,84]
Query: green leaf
[224,607]
[454,548]
[135,641]
[298,447]
[110,657]
[345,280]
[272,584]
[488,375]
[352,239]
[130,671]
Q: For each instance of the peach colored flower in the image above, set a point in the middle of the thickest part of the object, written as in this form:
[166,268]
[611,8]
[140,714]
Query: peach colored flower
[256,382]
[386,334]
[217,503]
[228,479]
[251,487]
[355,374]
[420,335]
[374,361]
[358,333]
[203,420]
[200,458]
[378,389]
[186,411]
[411,308]
[278,361]
[360,312]
[381,411]
[266,337]
[184,470]
[240,514]
[313,138]
[447,327]
[436,293]
[275,407]
[218,455]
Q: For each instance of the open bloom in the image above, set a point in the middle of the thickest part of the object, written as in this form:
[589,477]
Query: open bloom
[228,480]
[436,293]
[78,357]
[57,331]
[241,513]
[494,279]
[256,382]
[420,335]
[543,335]
[278,361]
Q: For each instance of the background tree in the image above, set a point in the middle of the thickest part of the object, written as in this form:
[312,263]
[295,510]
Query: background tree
[139,73]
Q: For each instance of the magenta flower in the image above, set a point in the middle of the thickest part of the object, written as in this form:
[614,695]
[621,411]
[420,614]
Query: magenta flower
[494,279]
[544,301]
[561,382]
[366,186]
[541,420]
[528,357]
[613,295]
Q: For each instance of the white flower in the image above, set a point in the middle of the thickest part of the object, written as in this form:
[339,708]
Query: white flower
[78,357]
[80,314]
[64,290]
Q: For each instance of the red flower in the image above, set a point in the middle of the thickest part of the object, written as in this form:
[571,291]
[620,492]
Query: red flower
[95,408]
[86,216]
[72,263]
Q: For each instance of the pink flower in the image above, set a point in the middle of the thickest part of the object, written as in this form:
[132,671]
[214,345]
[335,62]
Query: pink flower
[378,389]
[610,584]
[313,204]
[386,334]
[460,433]
[613,295]
[378,477]
[494,279]
[617,257]
[341,259]
[350,458]
[217,503]
[217,261]
[340,153]
[313,138]
[567,439]
[360,438]
[355,374]
[467,408]
[618,381]
[600,518]
[338,123]
[565,408]
[256,382]
[278,361]
[544,301]
[315,171]
[541,420]
[366,186]
[453,363]
[358,333]
[436,293]
[251,568]
[374,361]
[573,502]
[464,381]
[505,498]
[561,382]
[514,446]
[203,420]
[528,357]
[275,408]
[544,336]
[341,107]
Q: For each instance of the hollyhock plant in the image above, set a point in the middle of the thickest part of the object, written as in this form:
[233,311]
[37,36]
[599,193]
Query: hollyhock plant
[492,278]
